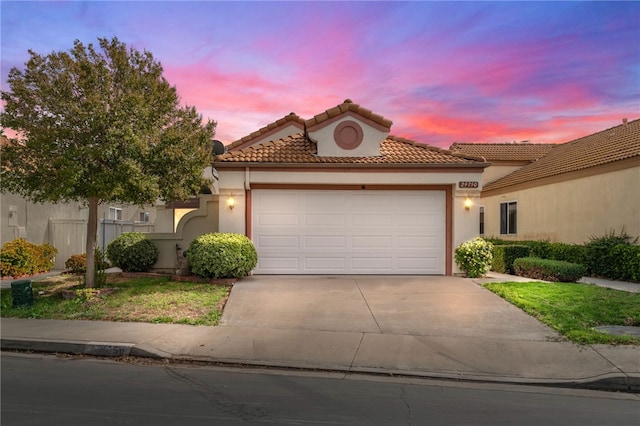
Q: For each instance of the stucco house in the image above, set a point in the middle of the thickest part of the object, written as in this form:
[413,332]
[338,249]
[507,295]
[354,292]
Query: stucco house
[578,189]
[337,194]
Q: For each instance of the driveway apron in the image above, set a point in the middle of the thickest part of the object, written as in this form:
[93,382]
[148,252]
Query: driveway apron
[396,305]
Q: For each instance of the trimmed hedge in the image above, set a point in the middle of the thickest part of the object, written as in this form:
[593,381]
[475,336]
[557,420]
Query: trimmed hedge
[627,262]
[20,257]
[222,255]
[132,252]
[504,255]
[548,270]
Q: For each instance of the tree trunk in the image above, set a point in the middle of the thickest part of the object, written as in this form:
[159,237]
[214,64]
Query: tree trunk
[92,232]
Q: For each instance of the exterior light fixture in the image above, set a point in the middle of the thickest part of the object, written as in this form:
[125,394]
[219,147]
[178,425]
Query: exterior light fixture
[468,202]
[231,202]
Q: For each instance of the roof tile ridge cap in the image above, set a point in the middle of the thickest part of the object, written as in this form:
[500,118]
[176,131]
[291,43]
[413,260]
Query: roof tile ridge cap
[292,116]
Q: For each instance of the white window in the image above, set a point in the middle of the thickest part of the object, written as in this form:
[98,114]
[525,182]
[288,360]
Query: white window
[115,213]
[509,217]
[144,217]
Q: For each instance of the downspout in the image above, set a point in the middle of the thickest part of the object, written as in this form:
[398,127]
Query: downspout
[247,203]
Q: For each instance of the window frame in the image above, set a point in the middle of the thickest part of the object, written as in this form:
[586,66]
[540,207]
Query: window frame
[115,213]
[509,217]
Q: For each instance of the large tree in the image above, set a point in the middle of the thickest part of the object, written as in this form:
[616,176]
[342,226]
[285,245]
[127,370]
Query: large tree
[100,124]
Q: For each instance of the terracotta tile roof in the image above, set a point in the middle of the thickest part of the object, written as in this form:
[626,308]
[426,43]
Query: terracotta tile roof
[614,144]
[292,117]
[347,106]
[503,151]
[297,149]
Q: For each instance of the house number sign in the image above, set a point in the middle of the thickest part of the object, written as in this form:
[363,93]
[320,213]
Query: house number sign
[468,184]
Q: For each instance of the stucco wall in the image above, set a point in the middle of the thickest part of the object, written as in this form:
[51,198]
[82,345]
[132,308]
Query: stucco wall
[193,224]
[572,211]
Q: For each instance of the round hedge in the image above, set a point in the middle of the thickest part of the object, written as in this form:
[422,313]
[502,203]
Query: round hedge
[222,255]
[132,252]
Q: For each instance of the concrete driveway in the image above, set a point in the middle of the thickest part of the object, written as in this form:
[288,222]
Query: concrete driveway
[390,305]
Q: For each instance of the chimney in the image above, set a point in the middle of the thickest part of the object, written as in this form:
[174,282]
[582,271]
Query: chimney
[624,122]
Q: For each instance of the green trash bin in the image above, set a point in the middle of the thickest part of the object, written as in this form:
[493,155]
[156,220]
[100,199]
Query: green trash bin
[22,293]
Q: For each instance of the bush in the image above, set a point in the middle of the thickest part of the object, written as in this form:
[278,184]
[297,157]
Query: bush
[77,263]
[222,255]
[132,252]
[20,257]
[627,263]
[474,257]
[574,253]
[599,257]
[548,270]
[504,255]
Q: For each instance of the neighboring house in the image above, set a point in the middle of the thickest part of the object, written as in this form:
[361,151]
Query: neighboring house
[64,225]
[582,188]
[336,194]
[505,158]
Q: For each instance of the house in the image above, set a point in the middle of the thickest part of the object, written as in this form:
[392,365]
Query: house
[64,225]
[505,158]
[337,194]
[578,189]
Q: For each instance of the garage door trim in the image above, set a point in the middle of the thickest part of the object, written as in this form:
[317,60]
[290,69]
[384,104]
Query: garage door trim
[448,190]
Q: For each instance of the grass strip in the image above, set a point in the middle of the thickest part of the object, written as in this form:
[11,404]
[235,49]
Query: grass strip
[574,310]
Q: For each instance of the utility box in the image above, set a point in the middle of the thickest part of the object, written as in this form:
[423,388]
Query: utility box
[22,293]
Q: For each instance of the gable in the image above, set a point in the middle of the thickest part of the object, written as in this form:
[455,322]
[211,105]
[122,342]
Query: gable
[348,130]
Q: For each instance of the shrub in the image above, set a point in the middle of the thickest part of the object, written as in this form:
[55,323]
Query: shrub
[504,255]
[548,270]
[77,263]
[222,255]
[627,263]
[474,257]
[574,253]
[132,252]
[20,257]
[599,257]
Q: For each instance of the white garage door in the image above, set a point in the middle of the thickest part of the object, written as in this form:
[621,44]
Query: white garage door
[349,232]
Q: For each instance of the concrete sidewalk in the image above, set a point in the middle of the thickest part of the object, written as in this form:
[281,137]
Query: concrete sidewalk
[439,327]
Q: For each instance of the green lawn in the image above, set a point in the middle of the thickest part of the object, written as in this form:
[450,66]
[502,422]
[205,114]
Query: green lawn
[575,309]
[156,300]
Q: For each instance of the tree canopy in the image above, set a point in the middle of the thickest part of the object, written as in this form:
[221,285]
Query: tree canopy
[100,124]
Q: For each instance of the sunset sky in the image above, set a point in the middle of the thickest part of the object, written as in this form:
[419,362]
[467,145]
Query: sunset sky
[443,72]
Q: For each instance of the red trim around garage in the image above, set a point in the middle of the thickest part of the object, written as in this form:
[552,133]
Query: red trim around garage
[448,189]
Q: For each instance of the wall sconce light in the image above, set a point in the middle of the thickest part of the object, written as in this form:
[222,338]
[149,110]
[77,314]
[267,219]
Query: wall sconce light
[231,202]
[468,202]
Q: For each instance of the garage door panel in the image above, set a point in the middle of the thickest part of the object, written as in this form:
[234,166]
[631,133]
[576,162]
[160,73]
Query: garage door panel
[414,242]
[279,200]
[349,232]
[325,264]
[372,219]
[324,201]
[278,220]
[372,241]
[325,220]
[376,264]
[280,241]
[279,265]
[325,241]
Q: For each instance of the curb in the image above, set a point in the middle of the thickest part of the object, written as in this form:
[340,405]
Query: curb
[613,382]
